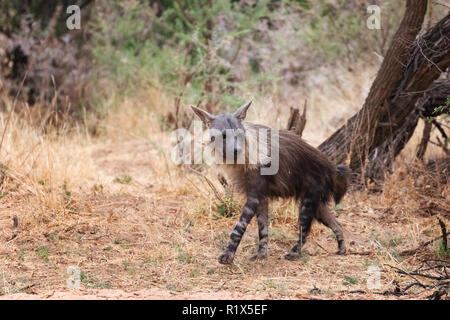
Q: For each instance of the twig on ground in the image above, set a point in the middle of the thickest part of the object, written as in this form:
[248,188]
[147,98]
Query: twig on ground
[321,247]
[440,275]
[423,245]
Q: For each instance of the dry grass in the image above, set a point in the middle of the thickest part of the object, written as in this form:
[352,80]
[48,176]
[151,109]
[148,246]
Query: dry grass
[116,207]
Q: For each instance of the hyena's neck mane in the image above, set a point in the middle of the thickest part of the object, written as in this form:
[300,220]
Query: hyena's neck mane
[258,140]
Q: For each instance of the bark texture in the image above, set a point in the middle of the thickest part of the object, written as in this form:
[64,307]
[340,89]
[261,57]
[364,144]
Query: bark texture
[371,138]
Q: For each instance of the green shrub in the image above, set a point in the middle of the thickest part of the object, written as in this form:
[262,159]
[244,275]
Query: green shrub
[188,49]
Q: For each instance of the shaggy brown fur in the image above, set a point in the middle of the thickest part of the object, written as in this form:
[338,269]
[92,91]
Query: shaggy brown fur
[304,172]
[301,166]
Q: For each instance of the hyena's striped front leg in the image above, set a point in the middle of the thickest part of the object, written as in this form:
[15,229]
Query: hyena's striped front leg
[262,214]
[235,238]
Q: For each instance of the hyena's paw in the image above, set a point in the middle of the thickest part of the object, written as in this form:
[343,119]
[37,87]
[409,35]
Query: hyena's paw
[226,257]
[341,248]
[291,255]
[260,255]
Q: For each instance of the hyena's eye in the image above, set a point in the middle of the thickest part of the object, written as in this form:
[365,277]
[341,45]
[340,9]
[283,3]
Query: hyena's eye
[215,137]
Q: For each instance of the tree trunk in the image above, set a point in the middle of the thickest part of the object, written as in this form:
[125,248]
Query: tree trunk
[382,157]
[393,97]
[376,104]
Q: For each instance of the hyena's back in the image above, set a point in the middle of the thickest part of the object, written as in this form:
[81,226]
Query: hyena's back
[302,168]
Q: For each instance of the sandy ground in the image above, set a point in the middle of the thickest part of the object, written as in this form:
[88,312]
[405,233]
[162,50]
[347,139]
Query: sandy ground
[151,294]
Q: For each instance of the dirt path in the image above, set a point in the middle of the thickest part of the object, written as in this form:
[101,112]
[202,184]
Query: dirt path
[147,294]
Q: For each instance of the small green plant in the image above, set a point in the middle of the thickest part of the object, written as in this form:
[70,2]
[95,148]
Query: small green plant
[171,287]
[228,207]
[43,252]
[83,277]
[21,254]
[368,263]
[66,190]
[395,241]
[304,255]
[152,261]
[349,281]
[272,284]
[396,255]
[183,256]
[92,283]
[337,208]
[441,252]
[281,235]
[123,180]
[444,110]
[194,274]
[163,123]
[189,225]
[101,285]
[122,242]
[53,236]
[3,173]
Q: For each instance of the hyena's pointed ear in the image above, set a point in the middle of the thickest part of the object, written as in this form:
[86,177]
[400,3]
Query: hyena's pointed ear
[206,117]
[241,113]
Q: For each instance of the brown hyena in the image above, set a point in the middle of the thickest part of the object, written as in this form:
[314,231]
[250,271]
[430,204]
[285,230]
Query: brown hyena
[303,172]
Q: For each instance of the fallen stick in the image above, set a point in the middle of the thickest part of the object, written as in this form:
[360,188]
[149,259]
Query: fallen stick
[423,245]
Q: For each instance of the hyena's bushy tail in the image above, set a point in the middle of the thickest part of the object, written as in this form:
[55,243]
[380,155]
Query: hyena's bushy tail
[341,182]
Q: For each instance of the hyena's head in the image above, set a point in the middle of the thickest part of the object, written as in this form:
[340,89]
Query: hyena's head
[227,132]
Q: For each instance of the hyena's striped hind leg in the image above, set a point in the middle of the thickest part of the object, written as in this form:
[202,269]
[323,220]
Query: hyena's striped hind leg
[326,217]
[262,214]
[308,209]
